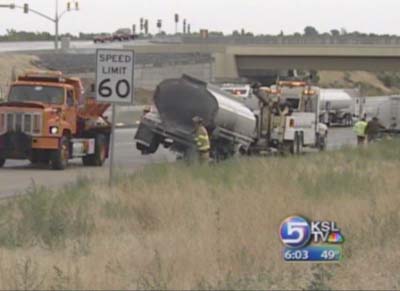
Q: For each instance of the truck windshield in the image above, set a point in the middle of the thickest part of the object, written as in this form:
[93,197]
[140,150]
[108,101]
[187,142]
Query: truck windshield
[45,94]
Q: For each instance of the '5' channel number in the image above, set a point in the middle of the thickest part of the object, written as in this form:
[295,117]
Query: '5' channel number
[122,88]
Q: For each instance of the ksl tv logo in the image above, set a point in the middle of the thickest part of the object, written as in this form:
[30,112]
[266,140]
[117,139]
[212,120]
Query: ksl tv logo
[298,232]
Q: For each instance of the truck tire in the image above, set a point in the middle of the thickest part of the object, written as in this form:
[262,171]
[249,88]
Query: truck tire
[39,158]
[322,142]
[60,157]
[2,162]
[349,120]
[100,153]
[288,147]
[299,142]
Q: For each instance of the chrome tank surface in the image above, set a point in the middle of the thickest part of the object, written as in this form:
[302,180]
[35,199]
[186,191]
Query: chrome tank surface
[179,100]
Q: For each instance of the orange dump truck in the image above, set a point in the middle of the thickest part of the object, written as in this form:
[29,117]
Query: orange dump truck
[47,120]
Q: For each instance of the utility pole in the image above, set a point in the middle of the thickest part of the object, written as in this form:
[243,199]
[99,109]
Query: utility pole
[56,21]
[146,26]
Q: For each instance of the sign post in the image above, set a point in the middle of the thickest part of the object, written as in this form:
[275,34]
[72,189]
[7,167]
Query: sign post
[114,85]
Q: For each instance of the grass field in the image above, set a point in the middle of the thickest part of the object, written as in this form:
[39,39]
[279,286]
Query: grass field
[172,226]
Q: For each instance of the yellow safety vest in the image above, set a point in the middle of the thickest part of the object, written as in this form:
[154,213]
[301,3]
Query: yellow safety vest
[202,140]
[359,128]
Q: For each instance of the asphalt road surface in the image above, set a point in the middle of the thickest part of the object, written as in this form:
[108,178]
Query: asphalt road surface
[17,176]
[49,45]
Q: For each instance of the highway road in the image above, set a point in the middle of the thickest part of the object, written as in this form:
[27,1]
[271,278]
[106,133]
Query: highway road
[17,176]
[49,45]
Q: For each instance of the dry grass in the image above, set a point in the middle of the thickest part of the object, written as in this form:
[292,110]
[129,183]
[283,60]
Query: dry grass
[370,83]
[200,227]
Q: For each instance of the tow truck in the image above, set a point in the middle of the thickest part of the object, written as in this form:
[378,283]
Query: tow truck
[47,119]
[291,117]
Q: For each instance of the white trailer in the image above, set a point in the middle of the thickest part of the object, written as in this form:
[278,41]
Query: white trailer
[385,108]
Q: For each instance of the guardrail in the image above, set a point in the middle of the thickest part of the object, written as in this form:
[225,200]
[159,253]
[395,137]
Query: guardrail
[294,40]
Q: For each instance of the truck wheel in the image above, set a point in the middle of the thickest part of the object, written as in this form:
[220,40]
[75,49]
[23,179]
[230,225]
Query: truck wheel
[288,148]
[299,141]
[60,157]
[349,120]
[2,162]
[322,143]
[100,153]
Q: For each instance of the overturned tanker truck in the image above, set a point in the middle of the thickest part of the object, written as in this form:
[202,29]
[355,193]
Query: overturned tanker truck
[233,127]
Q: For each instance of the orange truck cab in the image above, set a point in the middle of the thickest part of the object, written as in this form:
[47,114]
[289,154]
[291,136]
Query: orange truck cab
[47,120]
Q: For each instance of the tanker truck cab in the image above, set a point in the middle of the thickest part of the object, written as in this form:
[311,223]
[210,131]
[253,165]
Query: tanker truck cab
[46,120]
[295,119]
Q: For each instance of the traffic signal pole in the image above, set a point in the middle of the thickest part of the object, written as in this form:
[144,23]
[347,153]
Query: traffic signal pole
[55,20]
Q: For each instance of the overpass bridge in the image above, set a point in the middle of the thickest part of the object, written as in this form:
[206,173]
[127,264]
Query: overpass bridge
[233,61]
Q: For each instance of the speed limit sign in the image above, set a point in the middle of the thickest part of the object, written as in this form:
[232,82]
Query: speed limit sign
[114,85]
[114,76]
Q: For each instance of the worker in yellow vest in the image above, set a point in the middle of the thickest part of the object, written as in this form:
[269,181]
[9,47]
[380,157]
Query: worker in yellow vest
[359,129]
[202,139]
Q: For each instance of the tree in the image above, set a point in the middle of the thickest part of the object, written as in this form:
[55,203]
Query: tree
[310,31]
[335,32]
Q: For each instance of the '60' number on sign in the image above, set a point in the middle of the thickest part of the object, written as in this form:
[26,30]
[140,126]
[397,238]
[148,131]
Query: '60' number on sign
[122,88]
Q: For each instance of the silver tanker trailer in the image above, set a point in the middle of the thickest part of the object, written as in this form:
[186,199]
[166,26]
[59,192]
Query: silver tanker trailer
[336,106]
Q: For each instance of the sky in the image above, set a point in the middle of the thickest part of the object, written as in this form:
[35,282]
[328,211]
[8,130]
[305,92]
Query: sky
[258,16]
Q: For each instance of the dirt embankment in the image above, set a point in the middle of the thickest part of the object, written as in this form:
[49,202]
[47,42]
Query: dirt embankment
[13,64]
[371,84]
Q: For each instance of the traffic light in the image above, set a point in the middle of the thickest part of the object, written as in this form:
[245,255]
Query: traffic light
[76,6]
[176,18]
[26,8]
[159,23]
[184,26]
[141,24]
[68,6]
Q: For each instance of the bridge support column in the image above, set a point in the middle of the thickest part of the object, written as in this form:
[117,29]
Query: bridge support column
[225,66]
